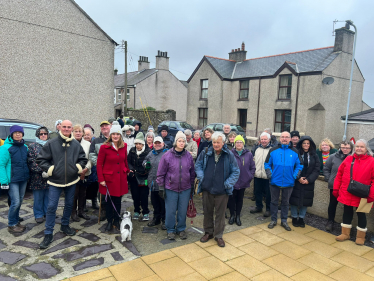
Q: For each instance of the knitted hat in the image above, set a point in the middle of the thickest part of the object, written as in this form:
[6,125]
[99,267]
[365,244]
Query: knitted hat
[164,127]
[127,127]
[239,138]
[179,135]
[150,128]
[295,134]
[159,139]
[89,126]
[16,128]
[111,119]
[116,128]
[139,138]
[58,122]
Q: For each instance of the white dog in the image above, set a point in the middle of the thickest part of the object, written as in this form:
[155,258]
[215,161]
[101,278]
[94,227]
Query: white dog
[126,226]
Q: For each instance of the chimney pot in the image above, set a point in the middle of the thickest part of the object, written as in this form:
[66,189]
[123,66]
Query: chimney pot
[243,46]
[239,54]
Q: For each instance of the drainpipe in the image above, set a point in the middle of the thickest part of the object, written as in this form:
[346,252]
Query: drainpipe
[258,102]
[297,97]
[134,95]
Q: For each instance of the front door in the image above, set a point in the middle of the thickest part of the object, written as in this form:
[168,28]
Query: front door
[243,118]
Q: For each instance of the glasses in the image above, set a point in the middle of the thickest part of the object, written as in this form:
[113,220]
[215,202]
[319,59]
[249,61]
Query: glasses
[239,142]
[43,134]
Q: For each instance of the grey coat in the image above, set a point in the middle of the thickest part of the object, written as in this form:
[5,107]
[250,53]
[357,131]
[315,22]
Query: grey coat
[330,169]
[154,158]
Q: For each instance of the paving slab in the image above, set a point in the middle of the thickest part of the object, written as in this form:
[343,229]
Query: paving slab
[26,244]
[11,257]
[43,270]
[89,263]
[63,245]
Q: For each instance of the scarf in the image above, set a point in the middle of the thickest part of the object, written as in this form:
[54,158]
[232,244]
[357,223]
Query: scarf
[141,151]
[325,155]
[41,142]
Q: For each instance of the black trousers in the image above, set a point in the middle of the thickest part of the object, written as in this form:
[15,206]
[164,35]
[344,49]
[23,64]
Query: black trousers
[262,188]
[92,190]
[158,206]
[79,197]
[140,197]
[332,206]
[348,217]
[111,214]
[236,201]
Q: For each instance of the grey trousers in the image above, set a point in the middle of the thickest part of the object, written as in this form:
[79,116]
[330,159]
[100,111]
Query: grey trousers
[286,194]
[214,204]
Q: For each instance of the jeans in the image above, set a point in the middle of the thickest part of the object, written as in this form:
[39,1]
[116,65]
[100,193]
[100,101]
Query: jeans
[158,206]
[53,197]
[262,187]
[176,204]
[16,193]
[348,217]
[235,203]
[286,194]
[298,212]
[111,214]
[214,205]
[332,206]
[40,202]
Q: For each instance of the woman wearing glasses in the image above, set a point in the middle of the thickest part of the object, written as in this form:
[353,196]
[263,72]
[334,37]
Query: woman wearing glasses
[38,178]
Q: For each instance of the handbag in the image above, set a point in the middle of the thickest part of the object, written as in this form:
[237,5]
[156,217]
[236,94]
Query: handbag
[356,188]
[191,209]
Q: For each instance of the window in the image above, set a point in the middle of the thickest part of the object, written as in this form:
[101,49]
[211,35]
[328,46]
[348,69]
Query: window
[285,84]
[203,116]
[282,121]
[29,134]
[204,88]
[173,126]
[244,88]
[128,94]
[219,127]
[120,94]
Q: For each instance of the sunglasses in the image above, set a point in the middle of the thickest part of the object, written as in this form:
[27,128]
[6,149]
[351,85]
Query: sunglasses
[43,134]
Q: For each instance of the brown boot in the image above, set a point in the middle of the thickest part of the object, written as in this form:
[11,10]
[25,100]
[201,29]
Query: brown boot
[346,231]
[74,216]
[15,229]
[360,237]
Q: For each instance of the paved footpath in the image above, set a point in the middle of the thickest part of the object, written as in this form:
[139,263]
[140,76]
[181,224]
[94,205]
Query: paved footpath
[253,253]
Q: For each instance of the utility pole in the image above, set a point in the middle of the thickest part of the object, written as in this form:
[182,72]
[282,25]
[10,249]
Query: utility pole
[124,97]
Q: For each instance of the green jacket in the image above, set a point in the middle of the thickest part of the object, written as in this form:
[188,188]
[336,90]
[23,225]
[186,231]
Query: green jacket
[319,153]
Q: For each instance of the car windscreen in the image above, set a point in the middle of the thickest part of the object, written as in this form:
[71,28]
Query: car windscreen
[185,125]
[237,128]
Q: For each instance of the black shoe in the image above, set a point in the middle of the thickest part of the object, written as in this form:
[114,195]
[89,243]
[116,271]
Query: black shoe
[154,222]
[94,204]
[238,221]
[85,210]
[272,224]
[286,226]
[255,210]
[20,220]
[67,230]
[84,216]
[109,227]
[116,224]
[295,222]
[163,226]
[232,220]
[301,222]
[267,214]
[48,239]
[329,226]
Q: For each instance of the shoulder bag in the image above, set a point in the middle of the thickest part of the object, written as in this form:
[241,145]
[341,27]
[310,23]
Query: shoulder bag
[356,188]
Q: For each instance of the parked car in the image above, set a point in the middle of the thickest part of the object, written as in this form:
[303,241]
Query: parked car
[219,127]
[175,126]
[28,127]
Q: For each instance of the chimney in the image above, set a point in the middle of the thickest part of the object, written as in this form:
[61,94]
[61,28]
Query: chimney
[238,54]
[162,60]
[344,40]
[143,63]
[116,71]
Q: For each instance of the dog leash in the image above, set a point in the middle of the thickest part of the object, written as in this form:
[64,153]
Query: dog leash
[106,199]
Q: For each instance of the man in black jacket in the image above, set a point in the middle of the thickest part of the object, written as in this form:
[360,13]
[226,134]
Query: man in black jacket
[167,138]
[63,158]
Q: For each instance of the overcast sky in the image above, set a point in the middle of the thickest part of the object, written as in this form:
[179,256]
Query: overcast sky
[188,30]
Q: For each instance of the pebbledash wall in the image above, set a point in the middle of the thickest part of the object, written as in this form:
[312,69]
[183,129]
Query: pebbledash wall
[56,63]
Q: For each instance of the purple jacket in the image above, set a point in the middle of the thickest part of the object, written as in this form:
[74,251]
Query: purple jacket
[247,168]
[176,172]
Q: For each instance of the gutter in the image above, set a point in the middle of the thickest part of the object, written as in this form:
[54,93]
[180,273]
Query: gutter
[258,103]
[297,96]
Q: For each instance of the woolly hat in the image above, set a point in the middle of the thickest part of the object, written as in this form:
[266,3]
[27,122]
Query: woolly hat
[16,128]
[116,128]
[150,128]
[239,138]
[127,127]
[89,126]
[164,127]
[111,119]
[159,139]
[179,135]
[58,122]
[139,138]
[295,134]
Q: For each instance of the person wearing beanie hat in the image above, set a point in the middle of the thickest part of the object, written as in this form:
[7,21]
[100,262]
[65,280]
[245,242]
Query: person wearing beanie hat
[138,177]
[111,120]
[168,139]
[112,170]
[14,174]
[150,128]
[176,178]
[295,137]
[89,126]
[137,127]
[128,136]
[247,169]
[191,146]
[55,134]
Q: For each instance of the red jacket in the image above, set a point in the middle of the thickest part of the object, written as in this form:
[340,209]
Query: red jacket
[112,168]
[363,172]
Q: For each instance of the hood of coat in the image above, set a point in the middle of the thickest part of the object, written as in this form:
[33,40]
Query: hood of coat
[155,152]
[9,140]
[137,122]
[361,157]
[312,148]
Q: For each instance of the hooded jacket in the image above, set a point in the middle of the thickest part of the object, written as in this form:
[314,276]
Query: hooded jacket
[37,182]
[168,140]
[137,122]
[13,161]
[63,158]
[230,171]
[259,156]
[246,166]
[283,165]
[176,172]
[154,158]
[135,162]
[363,172]
[303,194]
[129,140]
[331,167]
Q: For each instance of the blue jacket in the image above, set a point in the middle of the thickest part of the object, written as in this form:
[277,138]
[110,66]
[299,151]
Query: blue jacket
[283,165]
[231,169]
[13,162]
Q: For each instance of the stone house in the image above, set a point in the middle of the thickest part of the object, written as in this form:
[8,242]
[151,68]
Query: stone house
[360,125]
[305,91]
[56,63]
[154,87]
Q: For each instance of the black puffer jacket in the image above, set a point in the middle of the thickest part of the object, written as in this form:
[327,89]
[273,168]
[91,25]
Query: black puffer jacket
[303,194]
[135,163]
[64,159]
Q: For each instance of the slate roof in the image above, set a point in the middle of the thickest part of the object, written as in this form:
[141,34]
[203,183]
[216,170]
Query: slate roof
[303,61]
[185,83]
[364,116]
[133,78]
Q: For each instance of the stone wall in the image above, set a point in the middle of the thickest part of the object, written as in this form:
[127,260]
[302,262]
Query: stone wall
[156,116]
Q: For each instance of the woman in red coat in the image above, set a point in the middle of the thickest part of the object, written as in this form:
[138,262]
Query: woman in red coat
[363,172]
[112,170]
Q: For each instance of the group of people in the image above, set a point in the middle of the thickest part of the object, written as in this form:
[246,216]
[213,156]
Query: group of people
[216,165]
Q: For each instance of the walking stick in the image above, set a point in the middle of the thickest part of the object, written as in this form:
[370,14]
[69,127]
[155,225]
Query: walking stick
[98,222]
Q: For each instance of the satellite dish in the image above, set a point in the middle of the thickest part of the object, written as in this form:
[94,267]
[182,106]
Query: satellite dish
[328,80]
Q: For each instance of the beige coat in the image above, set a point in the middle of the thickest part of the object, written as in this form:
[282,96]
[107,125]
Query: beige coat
[259,158]
[192,147]
[86,147]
